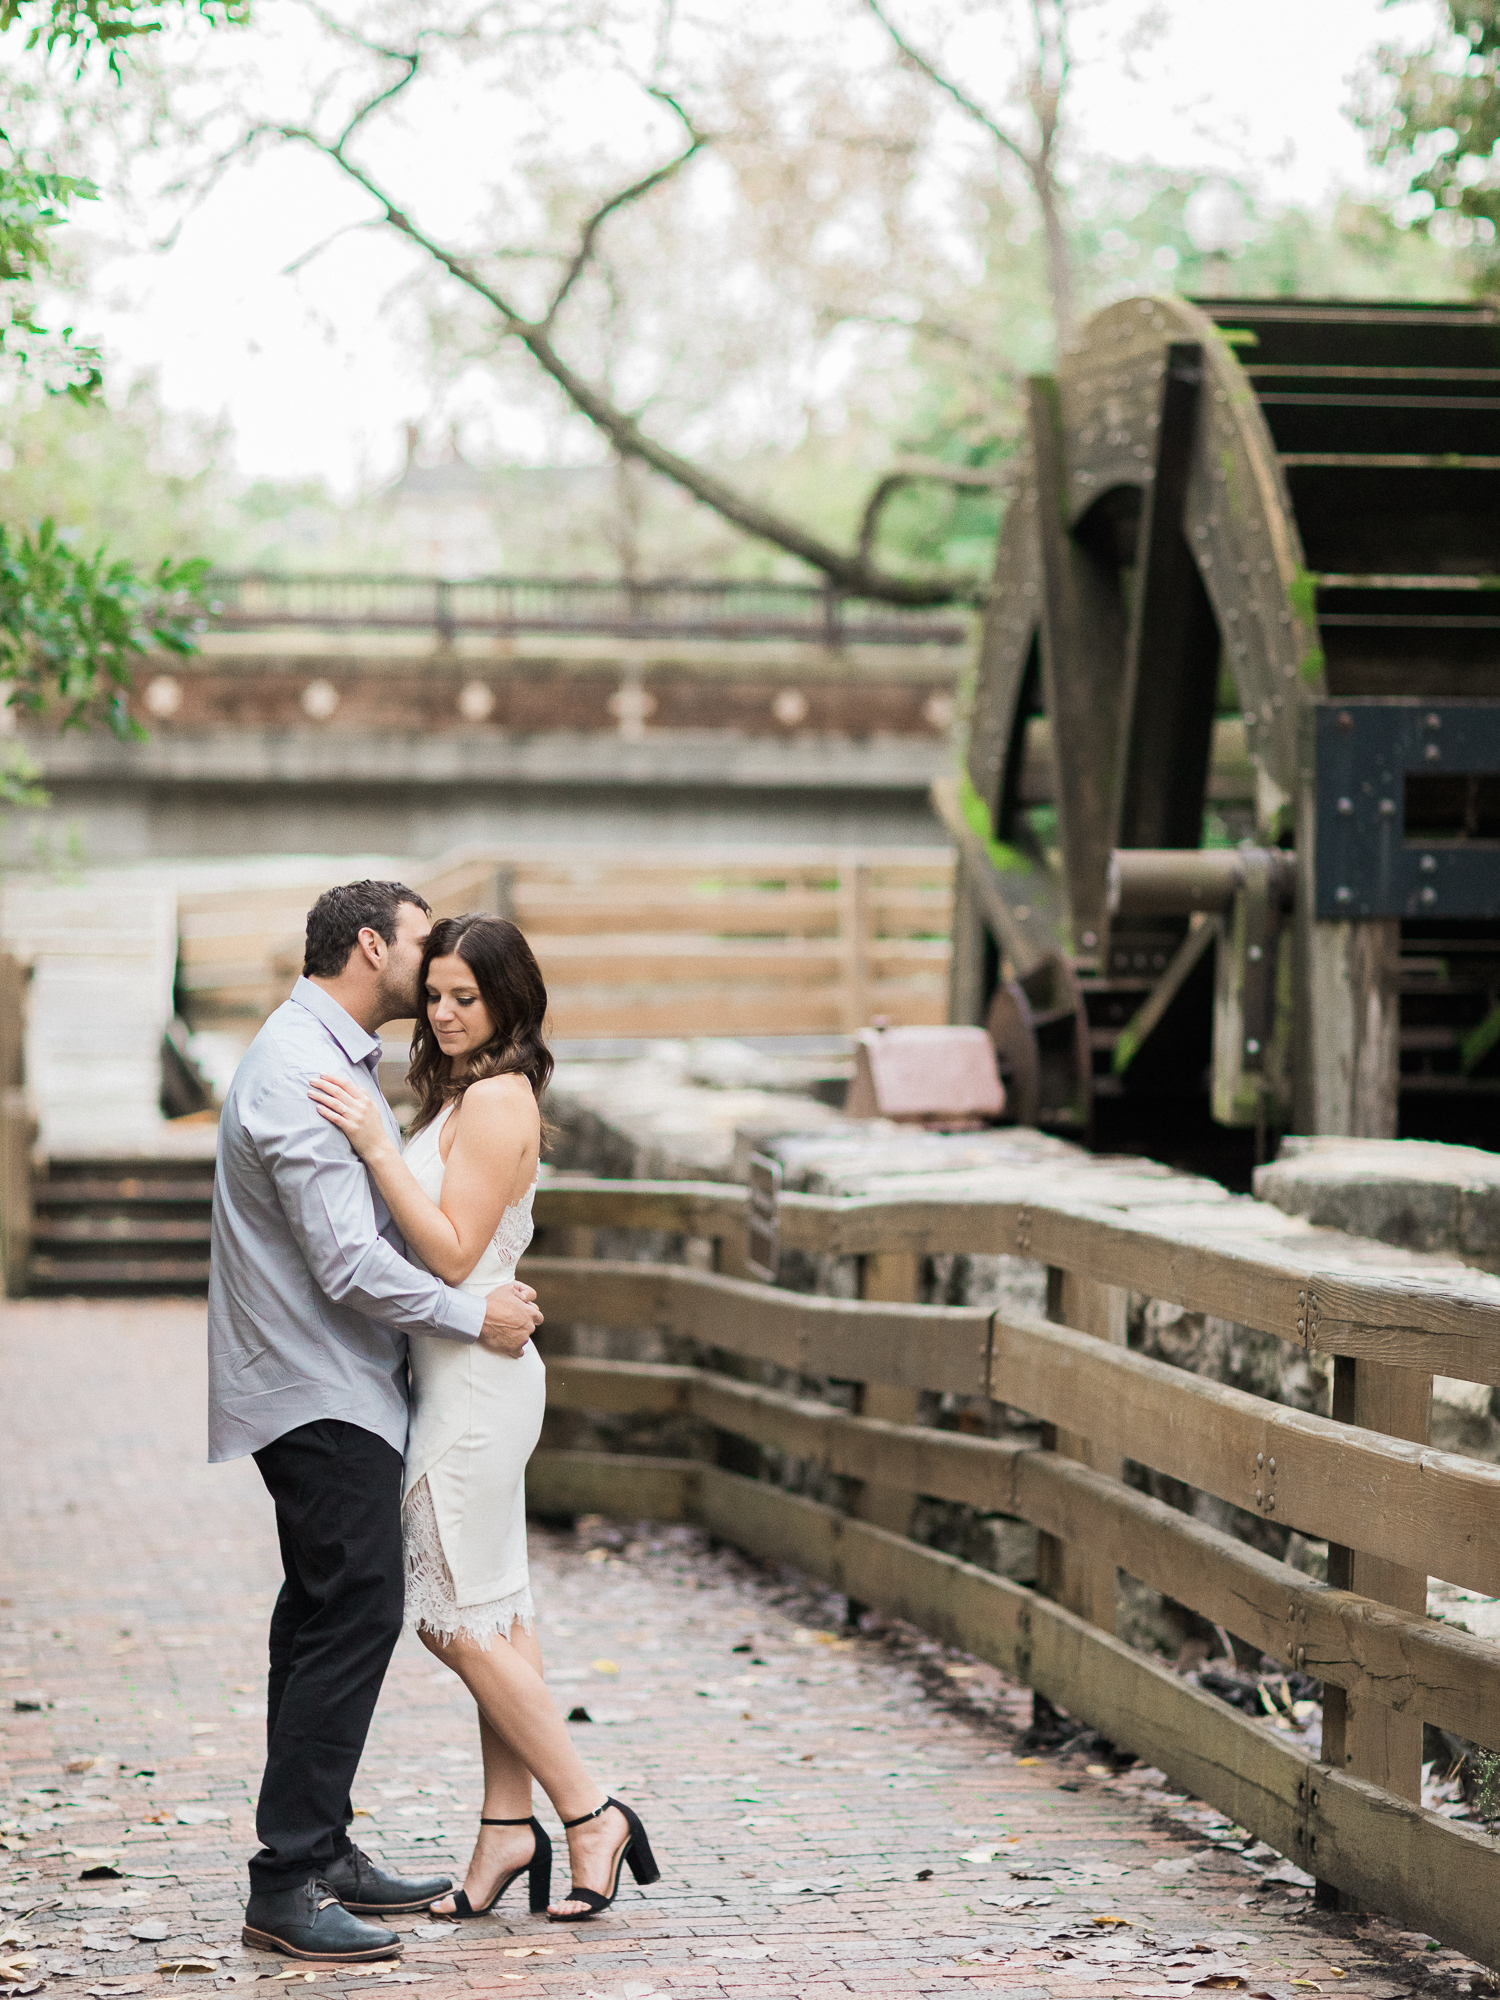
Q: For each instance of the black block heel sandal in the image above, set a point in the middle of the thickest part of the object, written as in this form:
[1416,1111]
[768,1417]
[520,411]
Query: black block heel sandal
[635,1848]
[539,1868]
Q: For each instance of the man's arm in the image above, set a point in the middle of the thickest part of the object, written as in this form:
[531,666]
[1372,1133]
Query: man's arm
[326,1197]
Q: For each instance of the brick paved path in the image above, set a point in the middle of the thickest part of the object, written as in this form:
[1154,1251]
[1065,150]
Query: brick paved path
[833,1817]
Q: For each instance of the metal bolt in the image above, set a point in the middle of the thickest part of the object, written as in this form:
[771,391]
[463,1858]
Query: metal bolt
[1428,895]
[1387,808]
[1260,1458]
[1342,895]
[1302,1326]
[1252,1047]
[1346,807]
[1257,1496]
[1273,1465]
[1434,722]
[1270,1502]
[1255,954]
[1428,864]
[1432,753]
[1302,1662]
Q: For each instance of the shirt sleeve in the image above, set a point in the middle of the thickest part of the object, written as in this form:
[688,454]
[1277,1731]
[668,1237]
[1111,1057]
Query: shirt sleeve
[329,1204]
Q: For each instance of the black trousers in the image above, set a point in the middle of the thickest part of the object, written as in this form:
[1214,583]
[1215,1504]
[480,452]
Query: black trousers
[337,1490]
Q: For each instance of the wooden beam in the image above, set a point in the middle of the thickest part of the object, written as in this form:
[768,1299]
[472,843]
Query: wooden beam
[1083,652]
[1369,1738]
[944,1348]
[601,1482]
[1172,651]
[1071,1570]
[890,1275]
[1426,1510]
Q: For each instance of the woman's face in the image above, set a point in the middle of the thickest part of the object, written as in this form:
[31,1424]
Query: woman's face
[459,1018]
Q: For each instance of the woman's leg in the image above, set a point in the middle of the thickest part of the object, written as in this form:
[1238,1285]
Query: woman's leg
[507,1795]
[505,1679]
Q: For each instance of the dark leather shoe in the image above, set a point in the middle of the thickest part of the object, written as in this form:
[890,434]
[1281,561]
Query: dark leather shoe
[311,1922]
[368,1891]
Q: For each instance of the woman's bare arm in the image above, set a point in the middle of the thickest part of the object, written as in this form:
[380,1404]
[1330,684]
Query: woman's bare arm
[496,1130]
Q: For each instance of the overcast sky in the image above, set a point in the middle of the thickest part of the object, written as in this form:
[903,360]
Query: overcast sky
[311,384]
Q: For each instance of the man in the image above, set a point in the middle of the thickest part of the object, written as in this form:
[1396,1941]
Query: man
[310,1303]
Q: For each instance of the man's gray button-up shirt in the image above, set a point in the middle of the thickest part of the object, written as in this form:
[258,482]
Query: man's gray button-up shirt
[310,1294]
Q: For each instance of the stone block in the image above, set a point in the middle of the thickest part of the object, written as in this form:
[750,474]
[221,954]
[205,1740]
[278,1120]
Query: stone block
[1411,1192]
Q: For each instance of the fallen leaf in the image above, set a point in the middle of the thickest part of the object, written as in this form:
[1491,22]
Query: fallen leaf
[924,1874]
[1100,1770]
[1109,1922]
[530,1951]
[76,1764]
[979,1855]
[189,1964]
[1220,1982]
[101,1871]
[198,1815]
[151,1932]
[1030,1760]
[433,1930]
[605,1667]
[1311,1985]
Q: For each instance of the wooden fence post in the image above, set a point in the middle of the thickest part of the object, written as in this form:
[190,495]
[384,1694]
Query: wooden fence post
[17,1130]
[891,1275]
[1065,1573]
[854,929]
[1363,1737]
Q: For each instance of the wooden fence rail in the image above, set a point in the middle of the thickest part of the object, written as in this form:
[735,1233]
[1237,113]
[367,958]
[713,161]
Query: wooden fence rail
[1393,1510]
[744,941]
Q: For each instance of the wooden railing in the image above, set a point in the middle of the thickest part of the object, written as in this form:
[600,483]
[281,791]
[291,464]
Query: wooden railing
[739,941]
[17,1130]
[1393,1510]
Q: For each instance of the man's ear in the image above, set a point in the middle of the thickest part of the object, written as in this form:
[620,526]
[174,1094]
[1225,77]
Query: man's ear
[373,945]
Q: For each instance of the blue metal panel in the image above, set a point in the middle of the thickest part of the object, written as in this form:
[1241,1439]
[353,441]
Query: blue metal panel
[1367,863]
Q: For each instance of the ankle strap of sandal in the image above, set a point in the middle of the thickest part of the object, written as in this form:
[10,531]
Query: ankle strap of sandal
[507,1822]
[583,1820]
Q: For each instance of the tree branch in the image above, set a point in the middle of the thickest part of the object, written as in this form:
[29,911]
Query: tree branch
[910,472]
[849,571]
[589,235]
[910,53]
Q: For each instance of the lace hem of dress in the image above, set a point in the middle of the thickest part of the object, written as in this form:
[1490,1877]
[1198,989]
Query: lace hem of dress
[431,1601]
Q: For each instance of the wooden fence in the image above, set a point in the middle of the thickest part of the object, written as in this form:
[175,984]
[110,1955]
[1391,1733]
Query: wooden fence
[1393,1510]
[739,942]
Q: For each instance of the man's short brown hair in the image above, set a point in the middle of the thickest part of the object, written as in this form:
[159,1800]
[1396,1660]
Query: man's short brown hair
[335,921]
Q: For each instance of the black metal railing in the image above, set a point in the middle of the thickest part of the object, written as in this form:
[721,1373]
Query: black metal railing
[256,600]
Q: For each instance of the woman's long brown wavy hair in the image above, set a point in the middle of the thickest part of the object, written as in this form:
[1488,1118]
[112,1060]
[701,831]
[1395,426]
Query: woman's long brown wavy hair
[510,985]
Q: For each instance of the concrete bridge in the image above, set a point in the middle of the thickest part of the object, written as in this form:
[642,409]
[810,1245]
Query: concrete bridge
[408,715]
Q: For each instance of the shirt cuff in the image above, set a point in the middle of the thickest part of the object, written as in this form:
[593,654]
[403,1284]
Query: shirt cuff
[462,1313]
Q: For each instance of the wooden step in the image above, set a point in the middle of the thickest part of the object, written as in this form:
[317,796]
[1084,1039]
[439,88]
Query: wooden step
[73,1274]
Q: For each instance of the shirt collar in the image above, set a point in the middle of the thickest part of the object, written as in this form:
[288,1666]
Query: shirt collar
[356,1042]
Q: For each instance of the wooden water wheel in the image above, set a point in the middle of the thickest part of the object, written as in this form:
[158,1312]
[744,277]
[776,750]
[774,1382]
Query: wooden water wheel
[1235,746]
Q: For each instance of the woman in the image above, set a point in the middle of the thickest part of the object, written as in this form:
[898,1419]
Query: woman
[461,1195]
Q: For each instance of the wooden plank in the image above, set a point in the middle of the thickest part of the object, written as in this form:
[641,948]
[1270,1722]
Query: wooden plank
[1074,1573]
[626,1388]
[693,1208]
[601,1482]
[1171,656]
[944,1348]
[1427,1510]
[1396,1659]
[892,1275]
[1367,1737]
[1083,648]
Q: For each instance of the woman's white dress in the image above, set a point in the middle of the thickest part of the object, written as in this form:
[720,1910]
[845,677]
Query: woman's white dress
[475,1420]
